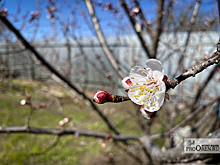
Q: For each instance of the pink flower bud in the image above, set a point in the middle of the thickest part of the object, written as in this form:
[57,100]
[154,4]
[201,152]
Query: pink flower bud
[101,97]
[28,96]
[103,145]
[65,120]
[61,123]
[108,136]
[43,105]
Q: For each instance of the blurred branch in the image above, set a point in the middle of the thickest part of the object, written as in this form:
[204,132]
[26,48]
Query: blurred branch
[149,27]
[218,1]
[194,70]
[208,79]
[170,155]
[160,13]
[60,132]
[139,34]
[187,119]
[189,30]
[49,148]
[102,40]
[57,74]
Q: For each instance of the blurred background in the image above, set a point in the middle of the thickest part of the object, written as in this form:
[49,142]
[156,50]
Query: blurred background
[93,45]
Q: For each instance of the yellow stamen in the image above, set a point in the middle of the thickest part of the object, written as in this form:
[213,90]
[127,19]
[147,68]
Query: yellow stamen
[141,93]
[143,99]
[148,97]
[132,90]
[147,89]
[148,80]
[146,104]
[135,96]
[143,72]
[137,83]
[145,93]
[153,103]
[131,86]
[137,89]
[140,102]
[151,90]
[132,77]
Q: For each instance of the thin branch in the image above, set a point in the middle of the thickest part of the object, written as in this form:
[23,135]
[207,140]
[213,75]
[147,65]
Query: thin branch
[34,130]
[139,34]
[102,40]
[49,148]
[57,74]
[187,119]
[194,70]
[160,14]
[208,79]
[189,30]
[149,27]
[218,1]
[170,155]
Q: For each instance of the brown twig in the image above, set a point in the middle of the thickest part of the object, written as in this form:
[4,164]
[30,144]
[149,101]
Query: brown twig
[194,70]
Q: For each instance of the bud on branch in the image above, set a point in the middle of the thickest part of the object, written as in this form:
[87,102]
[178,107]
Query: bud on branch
[101,97]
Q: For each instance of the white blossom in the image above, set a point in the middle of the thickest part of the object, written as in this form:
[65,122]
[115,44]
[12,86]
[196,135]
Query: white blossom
[146,87]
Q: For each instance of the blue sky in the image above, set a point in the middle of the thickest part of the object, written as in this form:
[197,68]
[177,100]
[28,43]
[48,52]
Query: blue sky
[107,20]
[26,6]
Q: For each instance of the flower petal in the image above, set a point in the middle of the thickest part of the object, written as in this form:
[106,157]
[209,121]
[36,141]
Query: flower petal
[156,67]
[147,114]
[125,82]
[139,74]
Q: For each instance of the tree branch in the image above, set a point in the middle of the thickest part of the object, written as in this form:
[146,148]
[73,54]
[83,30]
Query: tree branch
[160,14]
[102,39]
[218,1]
[149,28]
[139,34]
[34,130]
[189,30]
[170,155]
[187,119]
[201,88]
[194,70]
[57,74]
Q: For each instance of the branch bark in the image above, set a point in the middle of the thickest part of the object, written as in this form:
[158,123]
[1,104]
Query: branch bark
[215,59]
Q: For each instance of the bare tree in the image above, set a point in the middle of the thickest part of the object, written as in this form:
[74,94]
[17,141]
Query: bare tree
[180,51]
